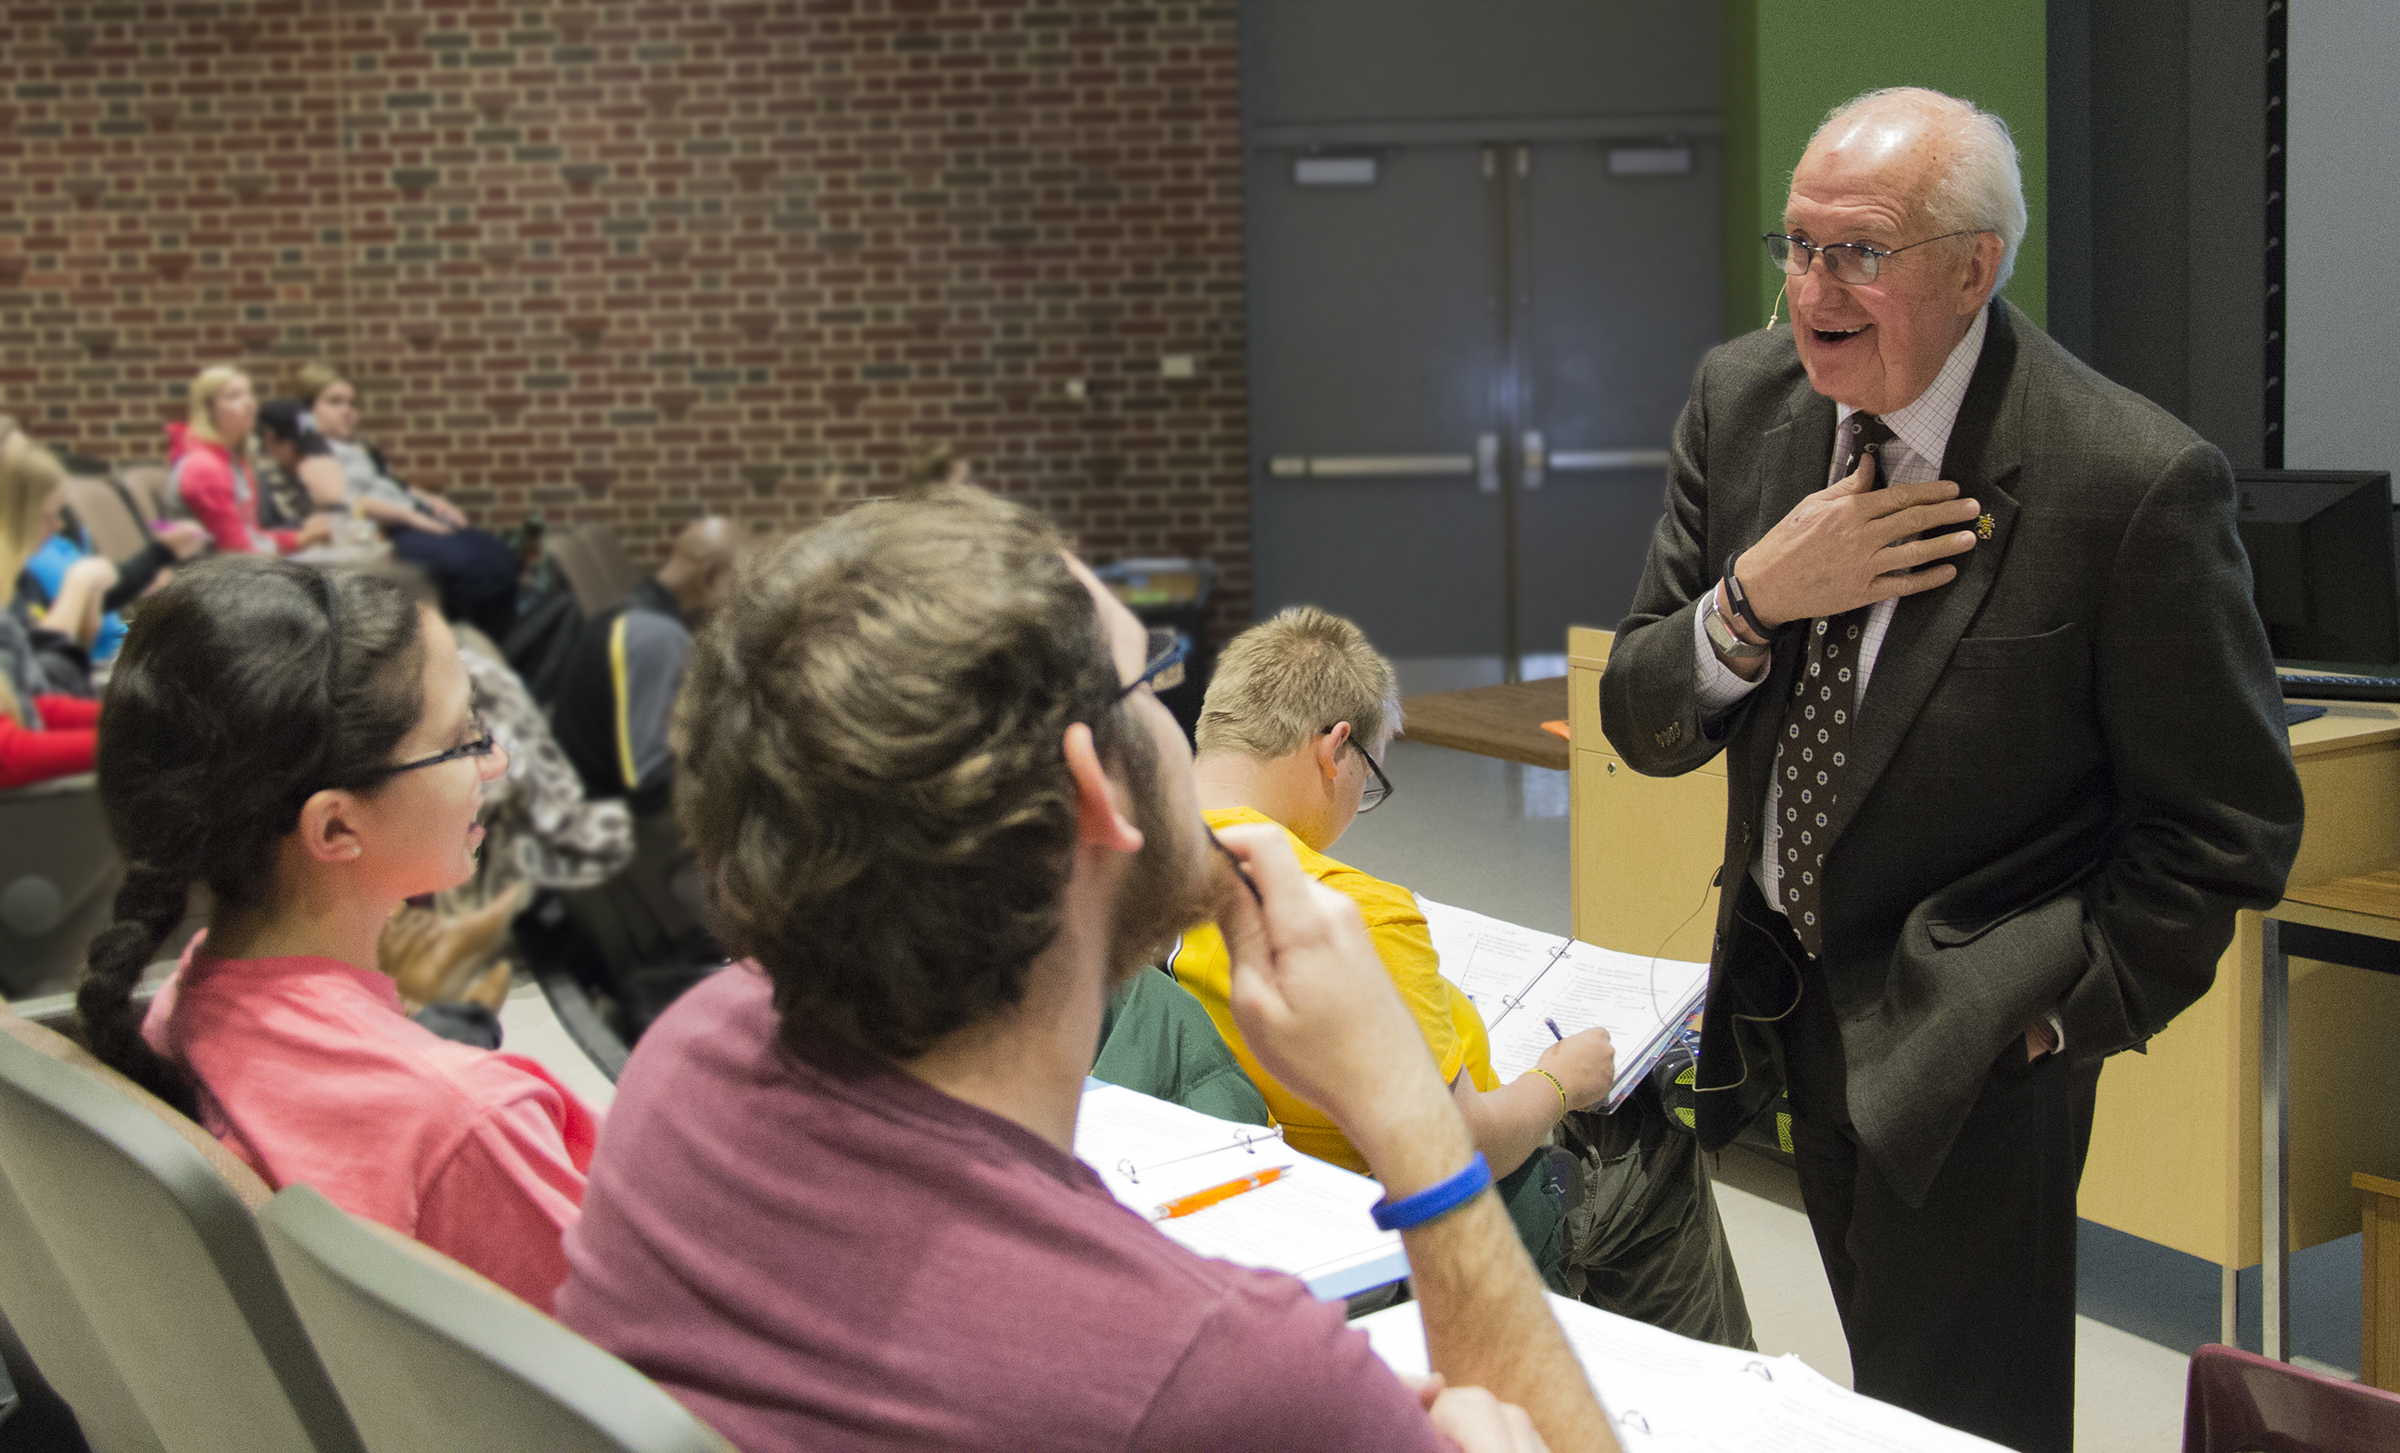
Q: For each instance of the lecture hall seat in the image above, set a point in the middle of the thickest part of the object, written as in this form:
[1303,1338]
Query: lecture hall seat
[431,1358]
[586,576]
[42,1312]
[617,570]
[59,873]
[146,1222]
[2240,1402]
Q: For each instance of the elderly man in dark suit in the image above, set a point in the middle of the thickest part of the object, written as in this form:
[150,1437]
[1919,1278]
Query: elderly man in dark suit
[2005,749]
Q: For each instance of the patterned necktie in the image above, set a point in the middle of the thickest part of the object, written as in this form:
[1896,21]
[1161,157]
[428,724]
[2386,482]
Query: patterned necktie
[1815,745]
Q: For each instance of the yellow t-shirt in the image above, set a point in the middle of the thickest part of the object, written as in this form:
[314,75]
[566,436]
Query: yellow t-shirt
[1452,1028]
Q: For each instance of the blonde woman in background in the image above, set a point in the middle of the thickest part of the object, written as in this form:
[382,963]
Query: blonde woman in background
[47,721]
[208,469]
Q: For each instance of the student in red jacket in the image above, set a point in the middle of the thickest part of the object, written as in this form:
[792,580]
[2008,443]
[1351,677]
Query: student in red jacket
[46,727]
[208,470]
[305,743]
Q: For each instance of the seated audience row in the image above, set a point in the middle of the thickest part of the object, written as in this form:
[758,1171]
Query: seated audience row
[936,802]
[327,473]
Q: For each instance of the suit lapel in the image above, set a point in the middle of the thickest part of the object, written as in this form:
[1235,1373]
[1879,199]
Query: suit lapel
[1792,461]
[1983,457]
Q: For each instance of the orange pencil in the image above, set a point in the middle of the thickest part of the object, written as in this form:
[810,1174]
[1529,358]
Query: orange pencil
[1201,1200]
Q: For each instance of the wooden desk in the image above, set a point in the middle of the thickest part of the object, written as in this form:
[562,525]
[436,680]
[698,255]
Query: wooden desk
[2366,908]
[1645,849]
[2379,1291]
[1502,721]
[2175,1155]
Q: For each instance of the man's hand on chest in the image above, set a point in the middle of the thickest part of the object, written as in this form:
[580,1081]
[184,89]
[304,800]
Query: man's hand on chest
[1850,545]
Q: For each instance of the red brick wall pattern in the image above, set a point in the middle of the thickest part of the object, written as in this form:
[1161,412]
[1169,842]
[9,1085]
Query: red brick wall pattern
[631,262]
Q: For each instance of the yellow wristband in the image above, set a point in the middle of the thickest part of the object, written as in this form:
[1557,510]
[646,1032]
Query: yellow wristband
[1555,1085]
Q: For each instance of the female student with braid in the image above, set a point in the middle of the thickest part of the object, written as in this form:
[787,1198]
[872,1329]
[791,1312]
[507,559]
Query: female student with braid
[305,744]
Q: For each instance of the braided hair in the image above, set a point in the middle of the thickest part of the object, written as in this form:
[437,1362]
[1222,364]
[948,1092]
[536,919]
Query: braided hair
[246,686]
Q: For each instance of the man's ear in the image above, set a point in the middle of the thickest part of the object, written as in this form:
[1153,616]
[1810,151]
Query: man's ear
[1983,273]
[1329,750]
[327,829]
[1100,819]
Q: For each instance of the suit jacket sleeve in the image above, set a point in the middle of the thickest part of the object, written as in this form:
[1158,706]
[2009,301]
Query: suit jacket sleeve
[2193,722]
[1650,693]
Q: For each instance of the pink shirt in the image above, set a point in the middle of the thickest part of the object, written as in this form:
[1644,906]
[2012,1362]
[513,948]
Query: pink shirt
[811,1249]
[310,1072]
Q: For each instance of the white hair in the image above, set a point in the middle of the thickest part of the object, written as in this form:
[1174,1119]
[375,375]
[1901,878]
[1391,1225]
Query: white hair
[1983,190]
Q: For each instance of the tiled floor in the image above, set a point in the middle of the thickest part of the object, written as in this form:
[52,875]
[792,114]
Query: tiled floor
[1492,836]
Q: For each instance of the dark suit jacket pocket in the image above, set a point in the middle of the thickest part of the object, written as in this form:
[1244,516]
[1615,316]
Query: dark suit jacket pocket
[2020,705]
[2053,652]
[2008,734]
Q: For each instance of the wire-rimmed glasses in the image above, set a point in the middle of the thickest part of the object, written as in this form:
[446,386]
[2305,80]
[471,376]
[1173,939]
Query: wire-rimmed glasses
[1849,262]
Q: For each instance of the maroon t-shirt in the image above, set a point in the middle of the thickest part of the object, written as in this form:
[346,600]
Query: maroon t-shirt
[812,1249]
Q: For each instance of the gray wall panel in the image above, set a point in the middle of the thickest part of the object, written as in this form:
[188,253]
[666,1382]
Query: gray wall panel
[2342,353]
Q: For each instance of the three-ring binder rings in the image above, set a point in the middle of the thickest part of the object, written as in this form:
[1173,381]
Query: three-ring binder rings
[1313,1220]
[1524,982]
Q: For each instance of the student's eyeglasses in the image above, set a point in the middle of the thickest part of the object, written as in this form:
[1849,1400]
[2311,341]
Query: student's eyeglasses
[482,746]
[1165,650]
[1370,796]
[1849,262]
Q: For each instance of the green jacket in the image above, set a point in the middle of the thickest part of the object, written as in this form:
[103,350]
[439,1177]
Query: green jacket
[1157,1039]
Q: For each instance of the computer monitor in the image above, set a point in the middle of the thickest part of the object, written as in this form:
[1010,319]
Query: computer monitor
[2321,564]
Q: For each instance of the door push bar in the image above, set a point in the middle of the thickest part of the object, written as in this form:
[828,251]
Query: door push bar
[1483,465]
[1540,461]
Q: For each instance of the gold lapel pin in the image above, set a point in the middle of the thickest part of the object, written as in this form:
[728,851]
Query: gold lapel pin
[1983,526]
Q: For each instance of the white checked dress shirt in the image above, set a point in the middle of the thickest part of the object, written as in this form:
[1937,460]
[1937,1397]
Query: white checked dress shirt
[1920,435]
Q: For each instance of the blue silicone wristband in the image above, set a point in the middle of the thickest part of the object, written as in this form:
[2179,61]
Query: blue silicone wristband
[1435,1200]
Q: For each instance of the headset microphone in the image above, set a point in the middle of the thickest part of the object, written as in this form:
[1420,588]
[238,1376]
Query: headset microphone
[1776,311]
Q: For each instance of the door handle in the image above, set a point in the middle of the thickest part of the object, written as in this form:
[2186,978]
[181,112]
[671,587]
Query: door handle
[1487,463]
[1360,466]
[1536,457]
[1595,461]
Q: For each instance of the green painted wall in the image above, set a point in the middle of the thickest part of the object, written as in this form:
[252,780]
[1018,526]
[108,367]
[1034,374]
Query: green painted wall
[1788,62]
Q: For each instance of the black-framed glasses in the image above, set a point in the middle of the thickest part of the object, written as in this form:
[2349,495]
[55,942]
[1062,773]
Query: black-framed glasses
[1849,262]
[1372,795]
[482,746]
[1164,650]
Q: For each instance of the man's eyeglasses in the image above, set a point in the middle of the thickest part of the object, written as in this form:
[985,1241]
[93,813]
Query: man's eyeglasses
[1370,796]
[1165,651]
[482,746]
[1849,262]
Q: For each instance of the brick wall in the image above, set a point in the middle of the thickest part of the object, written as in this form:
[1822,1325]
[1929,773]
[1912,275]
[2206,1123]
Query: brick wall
[632,262]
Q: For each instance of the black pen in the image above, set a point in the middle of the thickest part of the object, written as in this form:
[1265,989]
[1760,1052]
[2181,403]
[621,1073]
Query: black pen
[1554,1034]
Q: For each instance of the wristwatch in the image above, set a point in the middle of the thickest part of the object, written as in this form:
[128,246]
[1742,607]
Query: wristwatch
[1721,636]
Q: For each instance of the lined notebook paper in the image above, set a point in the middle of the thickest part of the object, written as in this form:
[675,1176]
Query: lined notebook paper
[1521,980]
[1315,1222]
[1670,1394]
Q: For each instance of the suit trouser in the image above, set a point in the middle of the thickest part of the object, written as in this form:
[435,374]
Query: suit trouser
[1962,1309]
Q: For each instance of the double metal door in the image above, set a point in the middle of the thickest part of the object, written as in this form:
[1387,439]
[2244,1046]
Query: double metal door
[1466,364]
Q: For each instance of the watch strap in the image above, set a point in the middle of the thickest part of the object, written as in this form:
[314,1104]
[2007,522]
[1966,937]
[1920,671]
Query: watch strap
[1721,636]
[1741,600]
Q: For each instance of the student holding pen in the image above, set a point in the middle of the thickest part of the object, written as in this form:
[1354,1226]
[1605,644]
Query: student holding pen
[1292,736]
